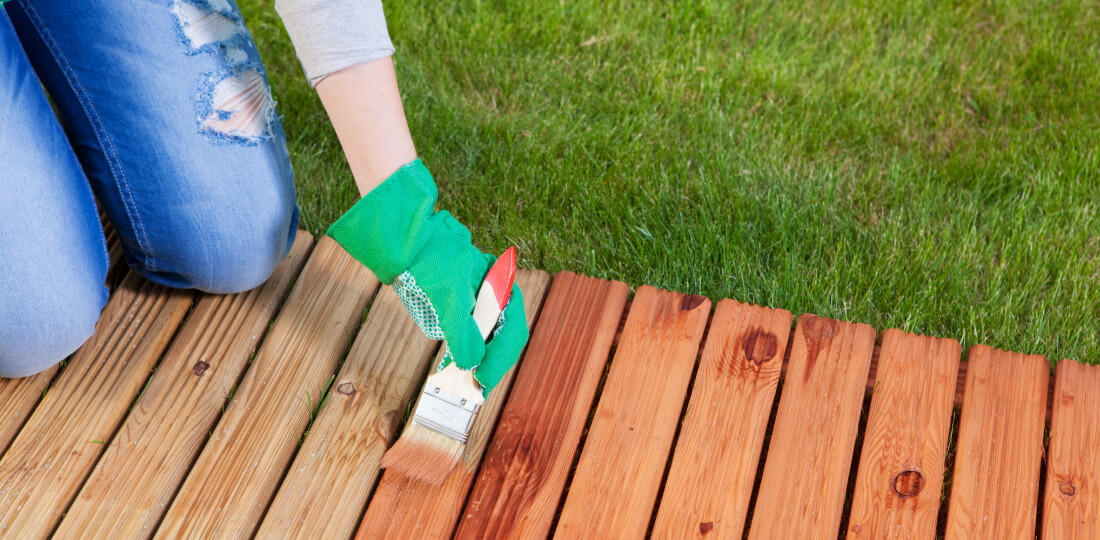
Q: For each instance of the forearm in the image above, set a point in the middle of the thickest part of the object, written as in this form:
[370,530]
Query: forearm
[364,105]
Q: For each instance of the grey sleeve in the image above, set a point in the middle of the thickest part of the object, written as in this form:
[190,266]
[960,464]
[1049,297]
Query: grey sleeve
[330,35]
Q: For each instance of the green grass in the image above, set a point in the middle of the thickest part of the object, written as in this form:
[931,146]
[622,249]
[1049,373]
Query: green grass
[930,166]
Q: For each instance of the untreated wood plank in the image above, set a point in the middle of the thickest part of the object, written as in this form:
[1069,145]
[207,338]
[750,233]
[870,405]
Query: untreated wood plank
[125,496]
[402,508]
[237,472]
[1072,501]
[56,449]
[520,484]
[810,453]
[326,489]
[900,474]
[995,486]
[709,485]
[18,398]
[614,489]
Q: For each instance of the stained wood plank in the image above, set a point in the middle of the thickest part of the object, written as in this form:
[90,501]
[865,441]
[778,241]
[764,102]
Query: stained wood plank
[401,508]
[900,476]
[636,418]
[960,384]
[238,470]
[810,453]
[326,489]
[997,460]
[56,449]
[519,486]
[125,497]
[714,465]
[1072,501]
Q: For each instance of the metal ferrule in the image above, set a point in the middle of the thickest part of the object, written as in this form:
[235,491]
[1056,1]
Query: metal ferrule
[446,413]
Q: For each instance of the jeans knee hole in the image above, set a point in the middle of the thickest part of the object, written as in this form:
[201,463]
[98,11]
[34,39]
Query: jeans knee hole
[205,25]
[239,108]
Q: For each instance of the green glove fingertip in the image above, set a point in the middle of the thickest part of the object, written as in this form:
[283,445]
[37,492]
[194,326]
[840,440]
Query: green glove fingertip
[502,352]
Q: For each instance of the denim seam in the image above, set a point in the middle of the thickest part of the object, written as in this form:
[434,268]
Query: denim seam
[98,128]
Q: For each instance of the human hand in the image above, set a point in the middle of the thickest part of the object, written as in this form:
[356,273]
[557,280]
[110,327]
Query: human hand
[434,268]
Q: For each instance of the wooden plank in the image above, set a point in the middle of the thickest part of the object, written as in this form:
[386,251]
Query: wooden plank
[56,449]
[519,487]
[810,453]
[402,508]
[125,497]
[960,384]
[717,453]
[237,472]
[1072,503]
[997,460]
[636,418]
[326,489]
[901,466]
[18,398]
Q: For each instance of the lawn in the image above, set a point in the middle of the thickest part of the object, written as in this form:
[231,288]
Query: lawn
[930,166]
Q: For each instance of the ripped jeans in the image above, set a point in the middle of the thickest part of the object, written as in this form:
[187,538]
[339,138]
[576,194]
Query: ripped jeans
[165,117]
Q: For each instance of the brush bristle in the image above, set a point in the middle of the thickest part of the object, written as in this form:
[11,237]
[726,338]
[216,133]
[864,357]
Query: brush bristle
[423,454]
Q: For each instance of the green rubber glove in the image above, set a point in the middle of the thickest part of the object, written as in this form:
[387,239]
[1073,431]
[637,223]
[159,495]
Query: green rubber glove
[395,231]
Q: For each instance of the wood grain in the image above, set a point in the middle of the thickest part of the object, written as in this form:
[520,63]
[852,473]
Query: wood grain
[716,456]
[810,453]
[125,497]
[326,489]
[237,472]
[402,508]
[1072,502]
[615,487]
[900,476]
[18,398]
[960,383]
[997,460]
[56,449]
[520,484]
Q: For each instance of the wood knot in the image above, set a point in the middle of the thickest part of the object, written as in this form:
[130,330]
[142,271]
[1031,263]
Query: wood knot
[705,527]
[1067,489]
[346,389]
[200,368]
[819,327]
[857,528]
[691,302]
[908,483]
[759,346]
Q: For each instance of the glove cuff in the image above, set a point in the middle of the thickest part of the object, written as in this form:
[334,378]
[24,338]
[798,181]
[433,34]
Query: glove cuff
[389,226]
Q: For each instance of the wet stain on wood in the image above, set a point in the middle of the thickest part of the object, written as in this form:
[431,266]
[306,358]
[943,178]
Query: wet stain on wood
[817,332]
[691,302]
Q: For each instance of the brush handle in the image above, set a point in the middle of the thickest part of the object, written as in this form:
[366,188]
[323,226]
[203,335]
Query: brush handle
[495,291]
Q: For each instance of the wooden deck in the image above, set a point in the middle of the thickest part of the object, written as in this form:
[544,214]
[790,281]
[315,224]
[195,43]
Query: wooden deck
[265,414]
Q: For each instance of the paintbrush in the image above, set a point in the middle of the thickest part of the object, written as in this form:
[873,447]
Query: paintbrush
[435,437]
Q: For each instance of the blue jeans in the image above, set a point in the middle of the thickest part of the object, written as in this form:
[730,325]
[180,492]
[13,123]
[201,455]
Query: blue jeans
[164,115]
